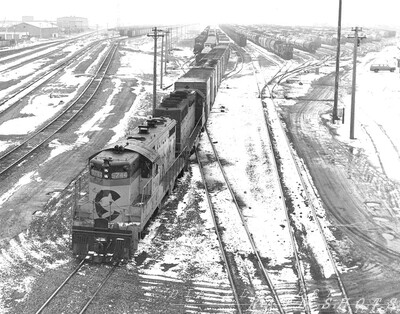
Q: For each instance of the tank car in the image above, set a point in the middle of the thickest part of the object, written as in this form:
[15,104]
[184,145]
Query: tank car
[328,40]
[281,49]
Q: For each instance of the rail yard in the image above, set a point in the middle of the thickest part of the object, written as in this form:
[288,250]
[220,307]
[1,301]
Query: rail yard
[236,194]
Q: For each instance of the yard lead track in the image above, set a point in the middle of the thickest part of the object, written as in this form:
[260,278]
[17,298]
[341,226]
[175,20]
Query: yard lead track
[49,299]
[42,79]
[296,255]
[19,153]
[223,253]
[67,280]
[219,226]
[305,187]
[263,86]
[87,304]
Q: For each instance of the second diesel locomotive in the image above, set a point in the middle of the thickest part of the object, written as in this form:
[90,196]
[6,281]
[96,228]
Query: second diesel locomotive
[129,179]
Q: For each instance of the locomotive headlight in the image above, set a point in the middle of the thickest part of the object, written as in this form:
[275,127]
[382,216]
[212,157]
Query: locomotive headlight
[106,170]
[106,176]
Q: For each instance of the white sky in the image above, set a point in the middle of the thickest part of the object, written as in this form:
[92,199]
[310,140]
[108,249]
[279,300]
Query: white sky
[283,12]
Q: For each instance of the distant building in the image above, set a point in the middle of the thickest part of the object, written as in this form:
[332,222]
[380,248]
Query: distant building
[11,35]
[37,29]
[72,24]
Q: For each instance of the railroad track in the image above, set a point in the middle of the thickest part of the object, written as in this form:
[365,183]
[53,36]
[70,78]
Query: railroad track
[296,195]
[29,146]
[338,291]
[42,79]
[238,65]
[76,286]
[7,60]
[335,291]
[281,298]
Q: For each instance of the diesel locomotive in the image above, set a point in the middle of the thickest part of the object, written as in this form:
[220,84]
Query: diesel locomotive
[129,179]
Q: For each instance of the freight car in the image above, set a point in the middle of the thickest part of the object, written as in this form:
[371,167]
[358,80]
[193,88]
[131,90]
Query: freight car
[302,44]
[129,179]
[238,38]
[330,40]
[281,49]
[211,41]
[135,31]
[299,43]
[200,40]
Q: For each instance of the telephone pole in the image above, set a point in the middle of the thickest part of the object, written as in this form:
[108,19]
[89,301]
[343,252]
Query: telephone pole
[166,49]
[155,35]
[336,93]
[162,56]
[357,41]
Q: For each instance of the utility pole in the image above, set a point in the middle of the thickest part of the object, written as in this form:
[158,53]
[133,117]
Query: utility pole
[166,49]
[357,41]
[155,35]
[162,55]
[170,42]
[336,93]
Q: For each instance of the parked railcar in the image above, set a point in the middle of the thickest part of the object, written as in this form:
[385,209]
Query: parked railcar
[281,49]
[239,38]
[129,179]
[211,41]
[135,31]
[328,40]
[303,44]
[200,40]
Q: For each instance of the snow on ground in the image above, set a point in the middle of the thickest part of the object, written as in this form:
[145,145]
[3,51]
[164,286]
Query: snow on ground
[23,181]
[195,245]
[43,107]
[20,60]
[377,113]
[377,94]
[6,144]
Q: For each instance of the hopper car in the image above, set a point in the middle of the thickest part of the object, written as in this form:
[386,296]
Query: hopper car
[129,179]
[200,40]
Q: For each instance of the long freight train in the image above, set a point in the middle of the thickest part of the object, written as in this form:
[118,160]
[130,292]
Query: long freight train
[129,179]
[240,35]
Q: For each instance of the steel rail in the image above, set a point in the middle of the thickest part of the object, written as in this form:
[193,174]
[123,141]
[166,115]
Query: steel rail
[60,287]
[84,308]
[97,81]
[296,254]
[56,69]
[223,253]
[249,235]
[316,219]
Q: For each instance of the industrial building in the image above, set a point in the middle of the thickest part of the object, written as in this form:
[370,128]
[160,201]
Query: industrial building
[37,29]
[72,24]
